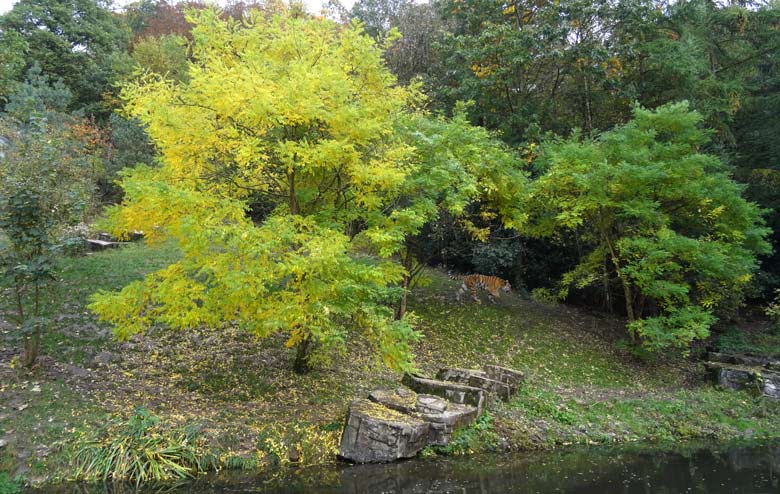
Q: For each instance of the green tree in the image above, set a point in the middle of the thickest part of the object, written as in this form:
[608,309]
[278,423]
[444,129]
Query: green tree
[282,110]
[79,41]
[660,219]
[466,175]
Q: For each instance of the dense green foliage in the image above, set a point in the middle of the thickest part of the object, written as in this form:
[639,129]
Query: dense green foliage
[78,41]
[294,176]
[48,175]
[652,213]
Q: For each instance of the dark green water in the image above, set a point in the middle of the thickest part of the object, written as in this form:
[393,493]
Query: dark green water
[734,469]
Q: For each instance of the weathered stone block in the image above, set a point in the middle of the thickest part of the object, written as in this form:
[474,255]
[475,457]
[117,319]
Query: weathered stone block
[745,360]
[376,434]
[459,375]
[443,417]
[454,392]
[734,378]
[730,376]
[506,375]
[769,383]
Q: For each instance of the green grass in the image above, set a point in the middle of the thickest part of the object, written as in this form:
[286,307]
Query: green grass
[553,343]
[46,423]
[699,413]
[8,485]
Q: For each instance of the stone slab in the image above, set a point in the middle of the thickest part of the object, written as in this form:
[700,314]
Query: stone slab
[376,434]
[744,360]
[478,379]
[769,383]
[401,399]
[454,392]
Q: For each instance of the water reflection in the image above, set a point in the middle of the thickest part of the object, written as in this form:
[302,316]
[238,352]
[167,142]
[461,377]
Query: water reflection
[628,470]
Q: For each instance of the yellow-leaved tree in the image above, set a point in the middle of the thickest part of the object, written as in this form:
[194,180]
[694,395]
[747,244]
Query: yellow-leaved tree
[284,180]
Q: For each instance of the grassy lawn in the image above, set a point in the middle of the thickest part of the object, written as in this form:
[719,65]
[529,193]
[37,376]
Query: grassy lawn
[582,385]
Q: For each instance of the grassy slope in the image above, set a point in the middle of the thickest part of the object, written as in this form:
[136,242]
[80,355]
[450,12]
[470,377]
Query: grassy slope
[581,387]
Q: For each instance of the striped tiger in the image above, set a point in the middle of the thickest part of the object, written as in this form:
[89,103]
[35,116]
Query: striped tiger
[493,285]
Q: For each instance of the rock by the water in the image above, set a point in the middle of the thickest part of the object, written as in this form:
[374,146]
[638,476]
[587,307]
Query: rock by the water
[398,423]
[734,378]
[442,416]
[377,434]
[454,392]
[731,376]
[744,360]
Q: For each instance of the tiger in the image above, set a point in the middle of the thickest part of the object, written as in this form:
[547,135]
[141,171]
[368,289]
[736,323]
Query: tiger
[493,285]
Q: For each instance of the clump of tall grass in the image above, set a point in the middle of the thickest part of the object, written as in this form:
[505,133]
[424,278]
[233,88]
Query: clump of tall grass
[140,450]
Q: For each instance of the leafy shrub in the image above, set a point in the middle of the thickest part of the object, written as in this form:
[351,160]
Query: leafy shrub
[141,450]
[300,444]
[773,310]
[544,295]
[734,340]
[479,436]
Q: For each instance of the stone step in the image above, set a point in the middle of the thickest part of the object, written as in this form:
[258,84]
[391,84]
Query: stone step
[454,392]
[442,416]
[506,375]
[734,376]
[478,379]
[376,434]
[401,399]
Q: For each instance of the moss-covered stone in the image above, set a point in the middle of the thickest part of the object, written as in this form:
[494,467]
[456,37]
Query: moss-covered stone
[401,399]
[377,434]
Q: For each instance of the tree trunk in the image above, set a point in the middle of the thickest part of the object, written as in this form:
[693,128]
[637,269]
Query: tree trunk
[400,310]
[607,293]
[301,364]
[627,293]
[407,261]
[292,200]
[32,341]
[32,348]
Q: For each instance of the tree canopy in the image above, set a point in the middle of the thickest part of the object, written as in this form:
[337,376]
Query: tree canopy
[657,215]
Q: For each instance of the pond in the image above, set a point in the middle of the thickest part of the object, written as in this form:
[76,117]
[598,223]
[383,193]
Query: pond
[746,469]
